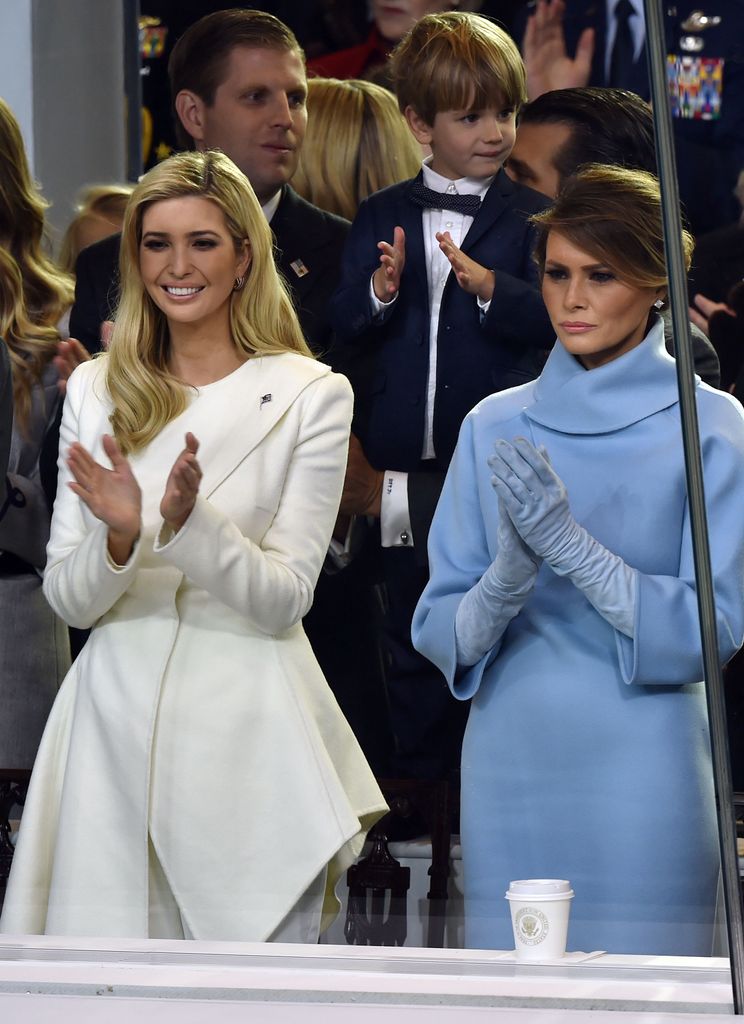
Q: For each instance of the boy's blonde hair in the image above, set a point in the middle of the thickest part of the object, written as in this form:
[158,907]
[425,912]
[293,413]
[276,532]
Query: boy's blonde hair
[457,61]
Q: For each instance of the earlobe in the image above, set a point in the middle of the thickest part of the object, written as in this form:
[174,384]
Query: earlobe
[420,130]
[190,110]
[244,263]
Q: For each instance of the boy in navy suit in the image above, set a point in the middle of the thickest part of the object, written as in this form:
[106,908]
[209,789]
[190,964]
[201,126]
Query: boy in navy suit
[439,295]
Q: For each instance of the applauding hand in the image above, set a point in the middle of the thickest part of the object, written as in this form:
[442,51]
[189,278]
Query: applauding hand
[546,62]
[182,486]
[471,276]
[113,495]
[386,280]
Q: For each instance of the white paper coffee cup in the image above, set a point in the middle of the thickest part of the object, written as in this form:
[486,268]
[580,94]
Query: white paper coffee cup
[539,911]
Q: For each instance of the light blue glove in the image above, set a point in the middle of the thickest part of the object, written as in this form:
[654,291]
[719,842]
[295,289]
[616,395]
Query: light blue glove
[536,500]
[489,606]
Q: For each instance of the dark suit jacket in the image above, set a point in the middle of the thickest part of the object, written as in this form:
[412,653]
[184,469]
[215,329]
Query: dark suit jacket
[474,357]
[6,411]
[305,236]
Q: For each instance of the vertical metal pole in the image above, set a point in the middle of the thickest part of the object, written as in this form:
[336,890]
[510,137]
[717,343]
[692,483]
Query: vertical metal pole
[656,49]
[133,88]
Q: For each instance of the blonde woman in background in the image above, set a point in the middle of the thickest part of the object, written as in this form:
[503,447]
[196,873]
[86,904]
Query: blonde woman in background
[34,296]
[99,212]
[357,142]
[196,778]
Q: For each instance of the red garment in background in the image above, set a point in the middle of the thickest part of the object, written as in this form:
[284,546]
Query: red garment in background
[354,62]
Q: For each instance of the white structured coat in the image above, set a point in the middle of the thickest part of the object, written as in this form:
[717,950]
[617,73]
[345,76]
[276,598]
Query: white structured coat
[197,714]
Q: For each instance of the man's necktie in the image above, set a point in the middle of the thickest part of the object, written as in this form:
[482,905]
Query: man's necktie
[623,48]
[431,200]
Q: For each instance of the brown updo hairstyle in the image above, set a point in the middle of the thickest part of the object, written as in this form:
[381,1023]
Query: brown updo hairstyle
[614,214]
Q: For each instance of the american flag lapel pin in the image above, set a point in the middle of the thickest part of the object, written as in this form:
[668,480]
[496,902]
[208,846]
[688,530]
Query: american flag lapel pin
[299,268]
[264,400]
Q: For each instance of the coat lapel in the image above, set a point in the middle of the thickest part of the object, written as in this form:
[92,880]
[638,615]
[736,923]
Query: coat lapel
[495,202]
[258,394]
[410,219]
[266,395]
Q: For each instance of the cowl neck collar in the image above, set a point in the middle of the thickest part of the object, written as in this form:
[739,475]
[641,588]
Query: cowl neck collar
[571,399]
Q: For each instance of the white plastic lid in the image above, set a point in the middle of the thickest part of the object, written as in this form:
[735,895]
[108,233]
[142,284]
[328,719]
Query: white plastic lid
[539,886]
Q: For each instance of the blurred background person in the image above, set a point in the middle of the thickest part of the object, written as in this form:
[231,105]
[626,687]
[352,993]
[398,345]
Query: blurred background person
[569,43]
[390,22]
[34,296]
[99,212]
[357,142]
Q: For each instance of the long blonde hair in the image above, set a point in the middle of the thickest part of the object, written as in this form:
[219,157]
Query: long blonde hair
[34,293]
[356,143]
[145,395]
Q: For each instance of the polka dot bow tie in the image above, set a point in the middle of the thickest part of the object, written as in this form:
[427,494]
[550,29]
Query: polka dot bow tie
[431,200]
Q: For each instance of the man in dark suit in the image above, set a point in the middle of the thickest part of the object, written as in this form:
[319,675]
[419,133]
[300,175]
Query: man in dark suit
[6,410]
[569,43]
[238,84]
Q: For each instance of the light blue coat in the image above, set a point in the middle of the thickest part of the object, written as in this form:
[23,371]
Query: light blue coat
[586,754]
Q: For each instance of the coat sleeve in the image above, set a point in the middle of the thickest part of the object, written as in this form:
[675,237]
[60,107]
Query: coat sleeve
[351,309]
[458,556]
[517,313]
[272,584]
[81,583]
[666,646]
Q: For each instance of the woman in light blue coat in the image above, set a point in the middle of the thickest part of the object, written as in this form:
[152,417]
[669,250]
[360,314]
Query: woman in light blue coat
[562,600]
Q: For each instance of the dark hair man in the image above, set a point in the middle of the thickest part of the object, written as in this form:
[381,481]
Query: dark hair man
[238,84]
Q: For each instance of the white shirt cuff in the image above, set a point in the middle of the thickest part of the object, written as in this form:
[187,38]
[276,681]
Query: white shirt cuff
[483,305]
[379,308]
[395,519]
[340,554]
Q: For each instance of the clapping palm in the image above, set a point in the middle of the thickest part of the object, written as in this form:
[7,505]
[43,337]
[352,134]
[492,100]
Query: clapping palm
[113,495]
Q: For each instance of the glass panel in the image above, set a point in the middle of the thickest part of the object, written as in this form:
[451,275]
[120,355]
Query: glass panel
[198,779]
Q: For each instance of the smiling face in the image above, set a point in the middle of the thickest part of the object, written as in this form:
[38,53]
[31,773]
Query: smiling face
[188,262]
[596,316]
[258,116]
[466,143]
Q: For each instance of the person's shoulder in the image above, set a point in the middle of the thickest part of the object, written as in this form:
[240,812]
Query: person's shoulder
[88,380]
[523,198]
[721,416]
[498,409]
[103,253]
[308,373]
[300,215]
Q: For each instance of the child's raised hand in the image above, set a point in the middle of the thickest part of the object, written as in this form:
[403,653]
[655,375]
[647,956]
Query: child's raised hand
[471,276]
[386,279]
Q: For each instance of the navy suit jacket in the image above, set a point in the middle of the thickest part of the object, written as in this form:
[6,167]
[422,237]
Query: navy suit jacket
[475,356]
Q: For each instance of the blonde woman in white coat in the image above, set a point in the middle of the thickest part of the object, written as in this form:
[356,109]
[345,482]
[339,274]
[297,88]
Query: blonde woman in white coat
[196,778]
